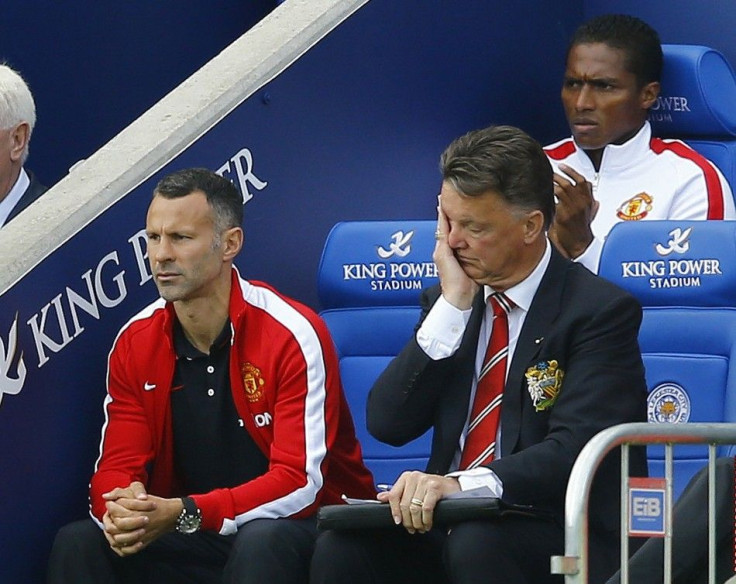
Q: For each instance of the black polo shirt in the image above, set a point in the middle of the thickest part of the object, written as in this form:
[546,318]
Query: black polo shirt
[212,448]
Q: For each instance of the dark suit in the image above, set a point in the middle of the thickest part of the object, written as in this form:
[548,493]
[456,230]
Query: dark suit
[34,191]
[587,325]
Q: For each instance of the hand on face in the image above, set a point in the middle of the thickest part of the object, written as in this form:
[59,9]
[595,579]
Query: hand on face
[576,209]
[457,287]
[414,497]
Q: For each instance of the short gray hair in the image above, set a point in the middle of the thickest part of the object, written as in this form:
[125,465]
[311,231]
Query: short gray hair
[16,102]
[503,159]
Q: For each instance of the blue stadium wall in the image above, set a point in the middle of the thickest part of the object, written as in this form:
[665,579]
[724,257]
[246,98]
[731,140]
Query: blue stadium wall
[353,130]
[94,67]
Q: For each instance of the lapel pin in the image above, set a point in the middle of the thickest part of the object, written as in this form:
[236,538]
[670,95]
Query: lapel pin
[539,340]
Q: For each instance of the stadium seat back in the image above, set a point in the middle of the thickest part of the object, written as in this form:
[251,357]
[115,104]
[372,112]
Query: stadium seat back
[684,275]
[370,278]
[696,104]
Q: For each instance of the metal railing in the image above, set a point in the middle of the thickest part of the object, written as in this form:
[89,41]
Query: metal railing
[574,564]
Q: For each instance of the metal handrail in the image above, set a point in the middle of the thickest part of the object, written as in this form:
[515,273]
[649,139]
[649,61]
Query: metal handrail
[574,564]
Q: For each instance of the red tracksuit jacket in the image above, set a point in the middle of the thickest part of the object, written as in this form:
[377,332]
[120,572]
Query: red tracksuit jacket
[286,387]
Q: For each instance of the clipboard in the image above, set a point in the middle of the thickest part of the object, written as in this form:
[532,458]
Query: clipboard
[372,515]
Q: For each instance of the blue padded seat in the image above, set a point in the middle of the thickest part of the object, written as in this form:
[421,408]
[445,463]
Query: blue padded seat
[370,278]
[684,275]
[697,104]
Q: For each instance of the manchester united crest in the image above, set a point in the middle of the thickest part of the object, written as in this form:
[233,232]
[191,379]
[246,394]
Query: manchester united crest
[544,381]
[636,208]
[252,381]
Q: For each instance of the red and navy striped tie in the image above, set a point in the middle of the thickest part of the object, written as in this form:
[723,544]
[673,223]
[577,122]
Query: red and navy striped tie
[480,442]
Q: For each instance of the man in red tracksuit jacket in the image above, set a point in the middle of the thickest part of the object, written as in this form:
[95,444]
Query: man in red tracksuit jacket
[225,422]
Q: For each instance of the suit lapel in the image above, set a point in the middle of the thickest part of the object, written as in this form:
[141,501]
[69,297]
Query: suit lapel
[542,313]
[34,191]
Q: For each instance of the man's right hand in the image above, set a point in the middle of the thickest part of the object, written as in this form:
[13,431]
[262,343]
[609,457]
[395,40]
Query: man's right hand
[576,209]
[457,288]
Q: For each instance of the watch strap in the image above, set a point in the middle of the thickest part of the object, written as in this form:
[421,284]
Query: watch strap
[190,518]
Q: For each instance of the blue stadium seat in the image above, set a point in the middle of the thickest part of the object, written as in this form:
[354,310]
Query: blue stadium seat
[684,275]
[697,104]
[370,277]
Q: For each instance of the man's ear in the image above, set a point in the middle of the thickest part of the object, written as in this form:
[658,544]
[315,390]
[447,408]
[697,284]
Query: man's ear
[19,137]
[533,226]
[232,243]
[649,94]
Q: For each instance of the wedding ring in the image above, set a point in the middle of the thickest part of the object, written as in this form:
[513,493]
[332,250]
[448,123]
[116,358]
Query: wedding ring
[417,502]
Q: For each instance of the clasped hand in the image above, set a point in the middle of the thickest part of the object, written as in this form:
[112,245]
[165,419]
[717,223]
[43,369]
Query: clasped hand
[134,518]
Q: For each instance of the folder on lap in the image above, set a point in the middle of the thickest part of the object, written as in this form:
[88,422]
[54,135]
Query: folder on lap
[372,515]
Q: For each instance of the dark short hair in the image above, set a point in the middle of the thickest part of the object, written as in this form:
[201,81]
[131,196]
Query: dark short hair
[222,195]
[505,160]
[639,41]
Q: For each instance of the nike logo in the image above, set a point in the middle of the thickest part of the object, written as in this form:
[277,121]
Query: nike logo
[149,386]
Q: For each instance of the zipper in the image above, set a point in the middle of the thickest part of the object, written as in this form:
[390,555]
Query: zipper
[594,184]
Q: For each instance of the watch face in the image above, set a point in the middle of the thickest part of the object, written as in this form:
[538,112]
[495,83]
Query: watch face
[188,523]
[190,518]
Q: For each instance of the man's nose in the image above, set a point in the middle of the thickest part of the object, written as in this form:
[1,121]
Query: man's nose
[163,251]
[584,99]
[454,239]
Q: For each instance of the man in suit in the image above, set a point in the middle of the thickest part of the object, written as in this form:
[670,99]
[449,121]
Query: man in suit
[571,368]
[18,187]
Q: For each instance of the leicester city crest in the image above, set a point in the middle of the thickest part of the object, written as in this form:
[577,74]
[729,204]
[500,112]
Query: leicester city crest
[544,381]
[668,403]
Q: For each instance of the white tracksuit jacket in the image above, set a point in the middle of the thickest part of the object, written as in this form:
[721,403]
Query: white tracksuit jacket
[646,178]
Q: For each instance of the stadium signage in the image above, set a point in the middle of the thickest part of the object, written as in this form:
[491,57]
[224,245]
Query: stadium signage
[392,275]
[673,272]
[665,104]
[647,504]
[61,319]
[241,166]
[671,103]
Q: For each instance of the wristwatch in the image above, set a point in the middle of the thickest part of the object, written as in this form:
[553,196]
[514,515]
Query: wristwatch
[190,518]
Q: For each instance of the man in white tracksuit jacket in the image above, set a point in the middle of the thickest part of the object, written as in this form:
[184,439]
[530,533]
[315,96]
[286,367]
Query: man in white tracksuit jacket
[612,169]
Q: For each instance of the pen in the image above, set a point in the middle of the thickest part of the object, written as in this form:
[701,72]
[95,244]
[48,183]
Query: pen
[384,486]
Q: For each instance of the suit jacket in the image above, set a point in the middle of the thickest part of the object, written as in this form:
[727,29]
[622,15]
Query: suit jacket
[585,323]
[34,191]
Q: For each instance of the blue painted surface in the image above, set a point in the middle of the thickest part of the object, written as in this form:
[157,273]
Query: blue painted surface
[706,22]
[94,67]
